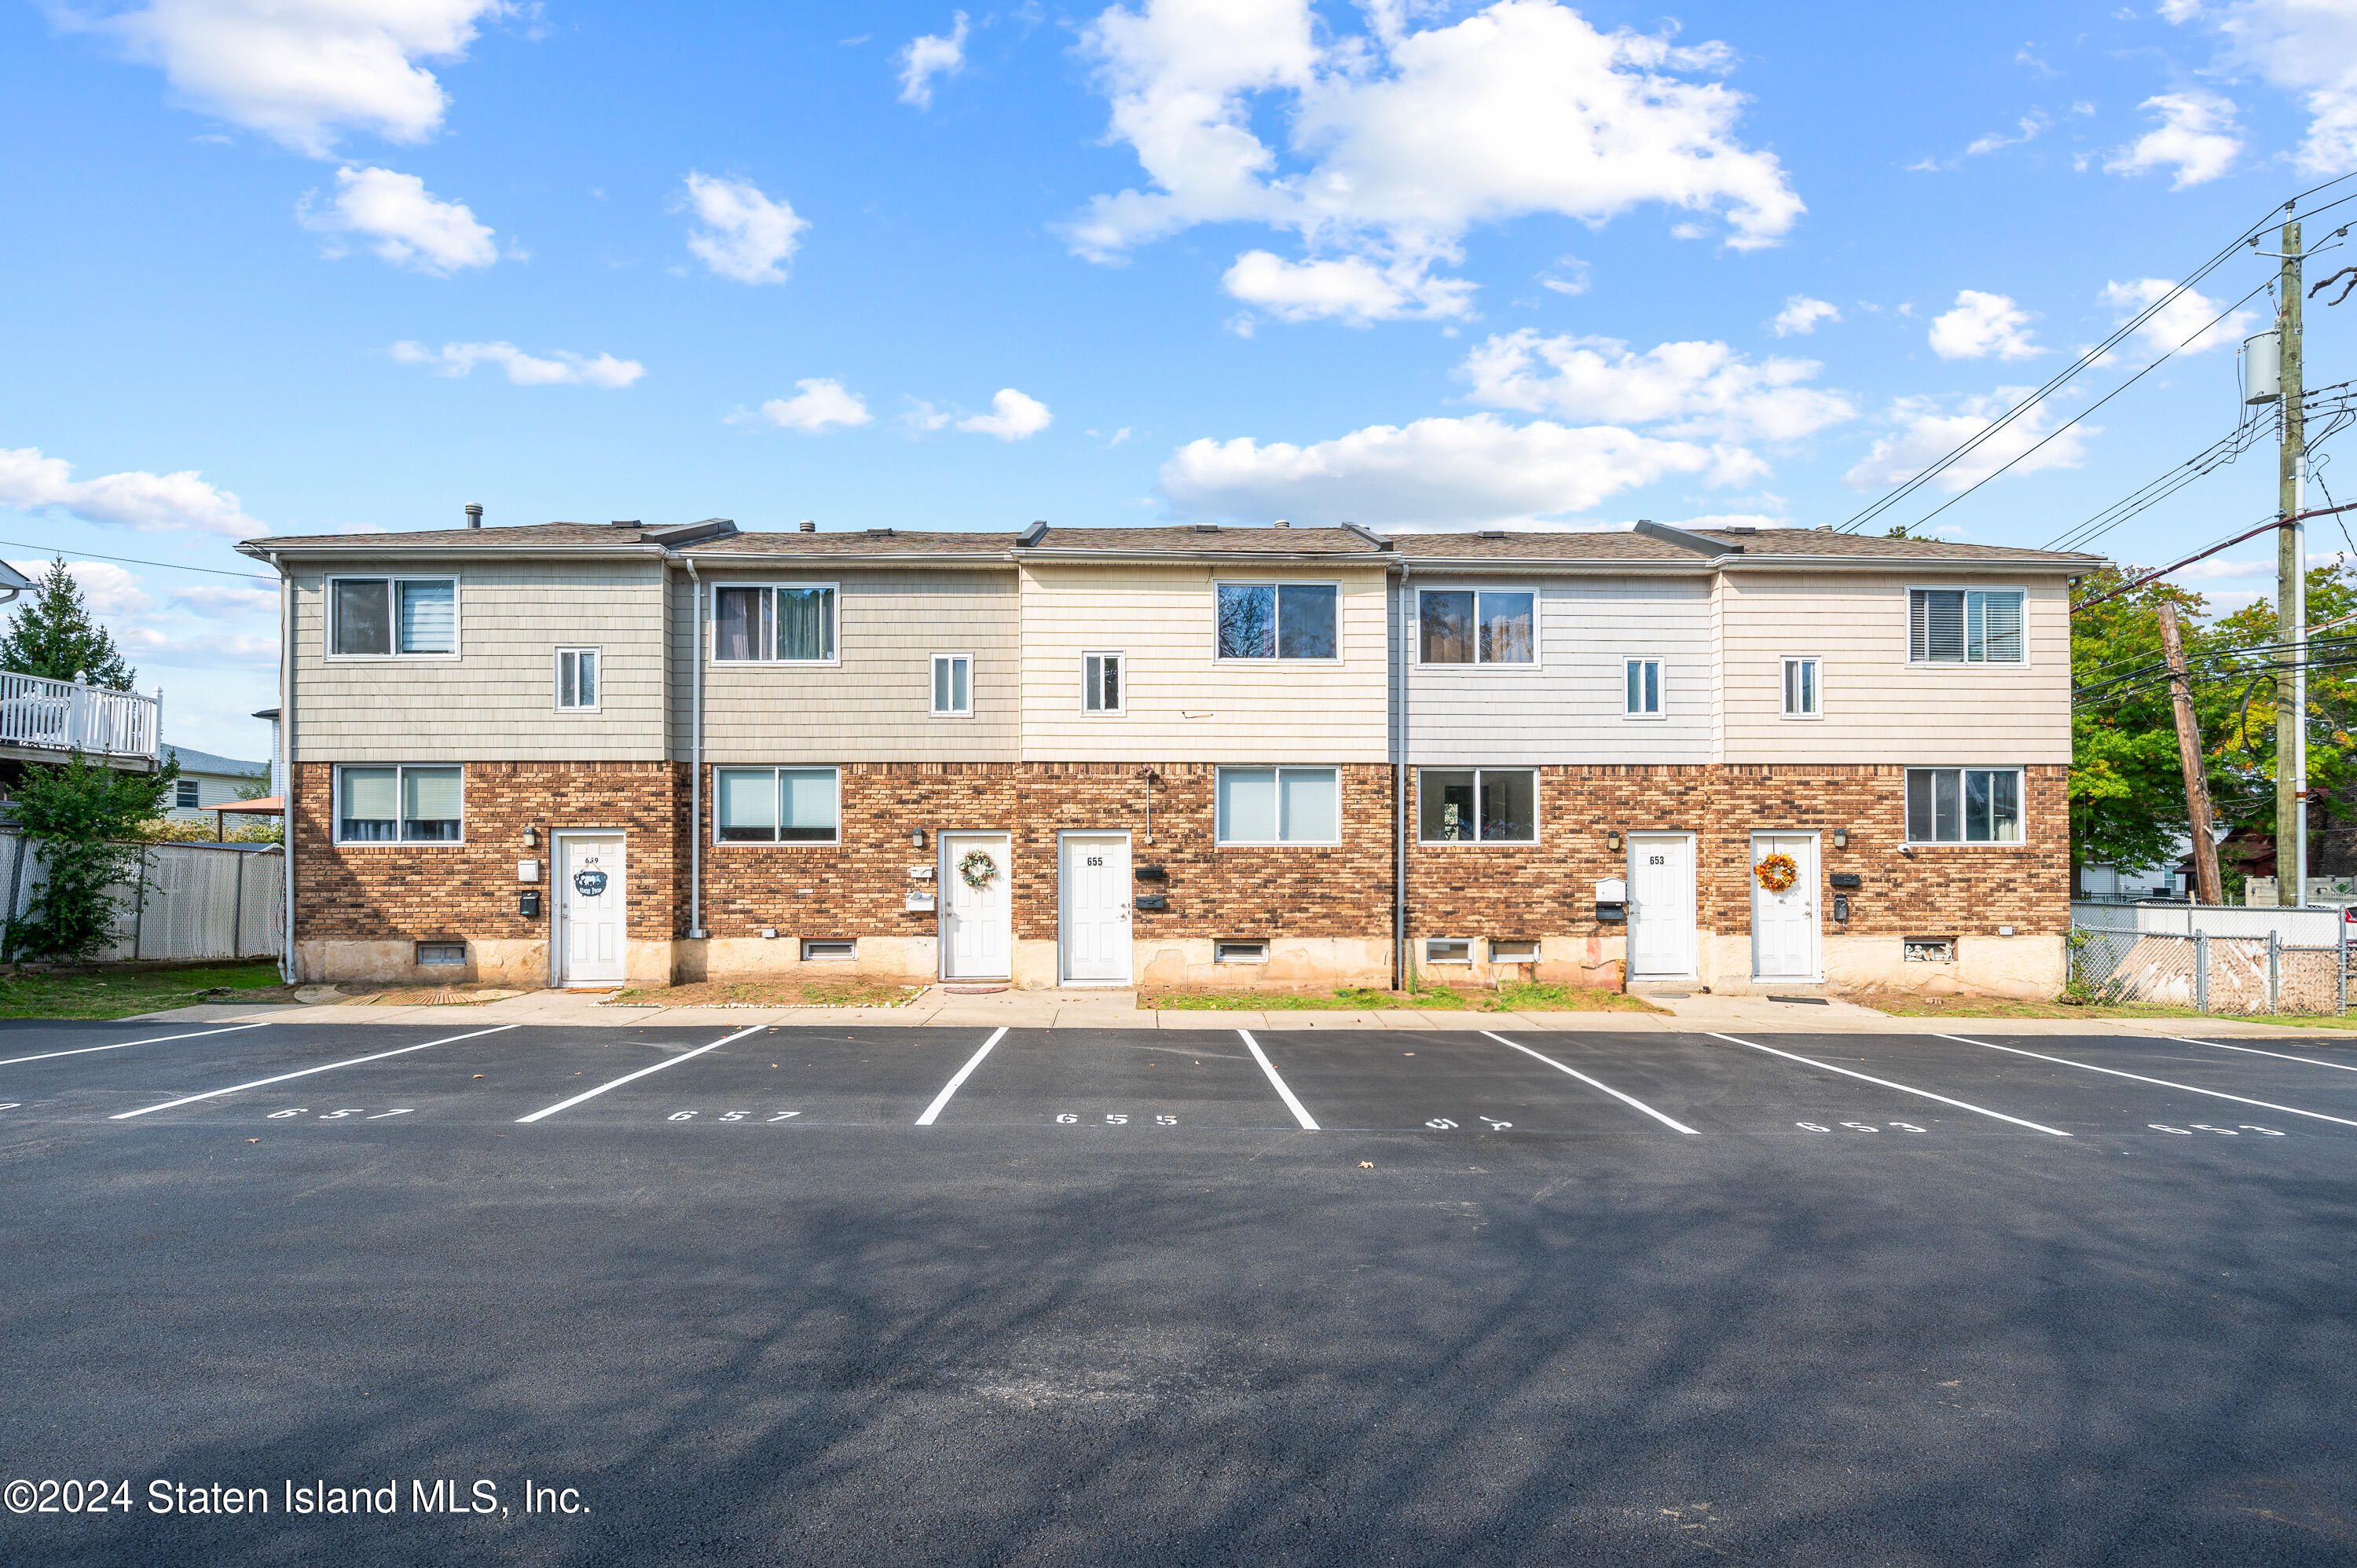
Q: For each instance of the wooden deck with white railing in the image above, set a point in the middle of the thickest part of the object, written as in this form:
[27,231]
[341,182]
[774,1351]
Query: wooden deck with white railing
[65,715]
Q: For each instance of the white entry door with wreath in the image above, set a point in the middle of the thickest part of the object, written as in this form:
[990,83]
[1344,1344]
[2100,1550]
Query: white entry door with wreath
[975,907]
[1784,908]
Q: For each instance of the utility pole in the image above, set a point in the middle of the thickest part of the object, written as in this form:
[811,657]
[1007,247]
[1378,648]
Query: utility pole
[2291,599]
[2207,886]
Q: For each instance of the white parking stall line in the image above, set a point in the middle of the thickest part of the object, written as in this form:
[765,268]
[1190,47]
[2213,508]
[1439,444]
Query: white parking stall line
[2165,1083]
[2214,1045]
[1901,1088]
[1309,1123]
[1630,1100]
[126,1044]
[972,1062]
[306,1072]
[617,1083]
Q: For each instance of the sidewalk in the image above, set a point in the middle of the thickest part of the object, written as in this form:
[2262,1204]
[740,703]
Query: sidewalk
[1109,1009]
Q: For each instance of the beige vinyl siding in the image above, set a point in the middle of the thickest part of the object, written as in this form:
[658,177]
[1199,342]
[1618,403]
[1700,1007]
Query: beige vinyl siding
[1878,708]
[875,703]
[1569,708]
[496,701]
[1163,619]
[212,789]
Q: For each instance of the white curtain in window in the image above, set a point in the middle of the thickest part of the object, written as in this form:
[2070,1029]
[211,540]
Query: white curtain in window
[1308,798]
[429,618]
[371,802]
[429,803]
[805,623]
[737,623]
[748,804]
[1247,805]
[1506,629]
[809,800]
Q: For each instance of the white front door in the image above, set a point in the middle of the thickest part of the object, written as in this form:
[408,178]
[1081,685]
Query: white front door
[1661,906]
[1094,907]
[974,922]
[1784,925]
[592,909]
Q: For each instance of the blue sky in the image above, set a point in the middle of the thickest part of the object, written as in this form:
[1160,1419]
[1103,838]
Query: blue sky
[339,265]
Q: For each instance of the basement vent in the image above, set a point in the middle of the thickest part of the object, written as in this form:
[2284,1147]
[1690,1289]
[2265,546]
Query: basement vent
[1514,949]
[441,952]
[1240,952]
[1447,949]
[1930,949]
[829,949]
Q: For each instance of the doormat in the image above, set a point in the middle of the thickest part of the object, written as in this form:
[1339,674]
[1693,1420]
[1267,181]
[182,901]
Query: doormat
[973,989]
[1804,1000]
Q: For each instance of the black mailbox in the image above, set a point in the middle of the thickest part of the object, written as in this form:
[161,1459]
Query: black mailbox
[1849,879]
[1152,901]
[1841,909]
[1152,873]
[528,903]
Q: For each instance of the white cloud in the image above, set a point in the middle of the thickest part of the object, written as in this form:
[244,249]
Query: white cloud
[2188,313]
[821,404]
[210,599]
[1437,473]
[1014,417]
[1568,277]
[2196,136]
[746,235]
[2033,124]
[303,71]
[1401,141]
[1350,289]
[2307,47]
[1705,389]
[1800,315]
[1981,324]
[930,56]
[151,503]
[523,369]
[108,589]
[1927,429]
[412,227]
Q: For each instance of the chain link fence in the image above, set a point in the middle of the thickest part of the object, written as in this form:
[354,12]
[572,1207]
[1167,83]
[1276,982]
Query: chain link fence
[195,901]
[2240,960]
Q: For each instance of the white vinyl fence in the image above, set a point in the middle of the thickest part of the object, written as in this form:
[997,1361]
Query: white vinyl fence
[2211,959]
[197,900]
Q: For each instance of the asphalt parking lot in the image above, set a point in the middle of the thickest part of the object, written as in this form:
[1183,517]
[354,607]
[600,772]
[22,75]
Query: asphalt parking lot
[1010,1296]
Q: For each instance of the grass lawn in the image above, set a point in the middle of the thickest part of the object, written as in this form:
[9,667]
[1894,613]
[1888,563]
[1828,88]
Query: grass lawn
[1517,998]
[1903,1005]
[118,994]
[775,993]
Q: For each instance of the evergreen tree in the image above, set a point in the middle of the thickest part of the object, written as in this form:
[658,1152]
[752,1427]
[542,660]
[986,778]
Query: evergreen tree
[53,636]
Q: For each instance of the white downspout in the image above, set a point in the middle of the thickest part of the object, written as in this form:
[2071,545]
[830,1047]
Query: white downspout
[695,931]
[1399,781]
[285,762]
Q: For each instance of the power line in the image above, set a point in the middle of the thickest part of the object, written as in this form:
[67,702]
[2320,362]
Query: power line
[133,561]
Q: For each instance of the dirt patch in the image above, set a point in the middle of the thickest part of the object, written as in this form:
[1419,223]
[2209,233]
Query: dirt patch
[1438,998]
[771,993]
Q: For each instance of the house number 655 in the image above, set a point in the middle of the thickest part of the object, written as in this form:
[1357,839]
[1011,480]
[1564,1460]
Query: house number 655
[1096,860]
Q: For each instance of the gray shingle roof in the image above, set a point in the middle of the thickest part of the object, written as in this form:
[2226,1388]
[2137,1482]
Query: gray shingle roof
[195,761]
[1606,546]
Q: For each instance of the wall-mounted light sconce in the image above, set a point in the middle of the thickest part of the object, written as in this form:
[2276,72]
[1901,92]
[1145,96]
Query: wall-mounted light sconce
[530,837]
[917,839]
[1841,838]
[1613,838]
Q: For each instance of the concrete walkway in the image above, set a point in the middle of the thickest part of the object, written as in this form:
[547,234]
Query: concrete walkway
[1110,1009]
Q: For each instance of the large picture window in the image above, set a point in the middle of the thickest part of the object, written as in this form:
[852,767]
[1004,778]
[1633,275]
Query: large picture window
[393,617]
[1277,621]
[1963,626]
[775,805]
[1478,626]
[1963,805]
[1279,805]
[773,624]
[400,805]
[1477,805]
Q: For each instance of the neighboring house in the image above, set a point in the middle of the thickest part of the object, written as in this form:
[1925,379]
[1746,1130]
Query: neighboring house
[1177,756]
[206,780]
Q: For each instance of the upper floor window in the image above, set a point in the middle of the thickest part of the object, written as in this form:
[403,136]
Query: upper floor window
[773,624]
[1477,805]
[1101,676]
[1800,688]
[1278,805]
[1642,688]
[775,805]
[578,679]
[390,618]
[1963,626]
[1277,621]
[1478,626]
[400,805]
[1963,805]
[953,686]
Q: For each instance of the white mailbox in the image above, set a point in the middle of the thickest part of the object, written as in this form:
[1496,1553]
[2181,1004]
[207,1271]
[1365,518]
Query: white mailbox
[527,871]
[1611,890]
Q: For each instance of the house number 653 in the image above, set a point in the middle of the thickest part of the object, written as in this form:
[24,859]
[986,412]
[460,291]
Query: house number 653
[1657,860]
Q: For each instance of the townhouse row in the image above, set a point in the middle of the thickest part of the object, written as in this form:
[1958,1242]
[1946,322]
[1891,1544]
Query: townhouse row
[584,755]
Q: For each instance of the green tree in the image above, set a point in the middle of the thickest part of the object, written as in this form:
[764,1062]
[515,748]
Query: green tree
[76,816]
[53,636]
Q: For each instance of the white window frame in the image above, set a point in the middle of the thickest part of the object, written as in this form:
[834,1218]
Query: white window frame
[1660,688]
[191,788]
[1538,806]
[1249,950]
[712,627]
[1967,662]
[1538,626]
[1465,942]
[1280,769]
[557,674]
[392,581]
[1280,583]
[1784,662]
[337,805]
[1088,687]
[933,685]
[2020,800]
[774,768]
